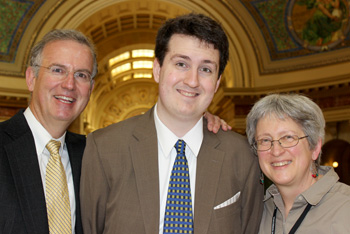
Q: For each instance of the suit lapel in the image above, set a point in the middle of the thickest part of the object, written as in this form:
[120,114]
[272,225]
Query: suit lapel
[209,164]
[144,155]
[25,169]
[75,145]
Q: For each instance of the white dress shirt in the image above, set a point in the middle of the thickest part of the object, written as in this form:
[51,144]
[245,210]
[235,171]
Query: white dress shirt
[167,155]
[41,138]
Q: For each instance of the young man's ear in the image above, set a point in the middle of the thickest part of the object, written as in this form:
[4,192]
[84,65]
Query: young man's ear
[30,78]
[156,70]
[218,84]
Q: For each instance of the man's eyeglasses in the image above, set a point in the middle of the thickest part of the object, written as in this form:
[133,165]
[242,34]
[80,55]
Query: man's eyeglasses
[62,72]
[286,141]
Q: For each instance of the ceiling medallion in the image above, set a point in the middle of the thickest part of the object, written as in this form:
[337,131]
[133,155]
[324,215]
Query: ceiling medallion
[318,25]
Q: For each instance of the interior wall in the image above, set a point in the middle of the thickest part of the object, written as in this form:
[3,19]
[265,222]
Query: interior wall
[251,73]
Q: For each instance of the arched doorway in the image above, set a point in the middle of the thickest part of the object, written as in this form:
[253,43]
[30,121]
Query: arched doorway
[336,153]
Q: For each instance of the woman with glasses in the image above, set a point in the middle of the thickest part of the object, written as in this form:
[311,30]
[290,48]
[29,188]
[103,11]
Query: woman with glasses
[286,132]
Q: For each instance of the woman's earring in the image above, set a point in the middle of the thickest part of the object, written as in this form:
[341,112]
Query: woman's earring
[314,170]
[261,178]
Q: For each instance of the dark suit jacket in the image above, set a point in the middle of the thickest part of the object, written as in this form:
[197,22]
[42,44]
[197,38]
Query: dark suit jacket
[120,185]
[22,198]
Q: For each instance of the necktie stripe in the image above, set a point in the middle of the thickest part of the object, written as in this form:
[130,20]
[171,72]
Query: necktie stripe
[57,196]
[178,212]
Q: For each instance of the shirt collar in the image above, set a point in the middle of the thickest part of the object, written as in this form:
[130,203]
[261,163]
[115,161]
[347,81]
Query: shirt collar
[40,134]
[271,192]
[167,138]
[316,192]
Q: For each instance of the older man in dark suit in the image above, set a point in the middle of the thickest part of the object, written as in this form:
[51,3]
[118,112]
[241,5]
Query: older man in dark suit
[60,79]
[163,172]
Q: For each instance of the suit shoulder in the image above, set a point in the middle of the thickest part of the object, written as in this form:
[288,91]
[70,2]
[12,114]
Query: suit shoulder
[14,127]
[123,128]
[17,119]
[4,125]
[232,135]
[235,144]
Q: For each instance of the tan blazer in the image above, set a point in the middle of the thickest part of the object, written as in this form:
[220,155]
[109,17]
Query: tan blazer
[120,186]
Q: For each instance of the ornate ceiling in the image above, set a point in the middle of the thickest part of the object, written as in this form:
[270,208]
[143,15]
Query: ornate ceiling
[270,50]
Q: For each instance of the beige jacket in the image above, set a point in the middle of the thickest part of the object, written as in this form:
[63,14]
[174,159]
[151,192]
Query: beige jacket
[120,185]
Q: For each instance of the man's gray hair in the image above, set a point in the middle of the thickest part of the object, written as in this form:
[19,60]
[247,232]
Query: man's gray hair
[61,35]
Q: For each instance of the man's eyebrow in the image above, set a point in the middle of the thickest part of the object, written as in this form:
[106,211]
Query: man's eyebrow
[180,56]
[84,70]
[188,58]
[57,65]
[210,62]
[65,67]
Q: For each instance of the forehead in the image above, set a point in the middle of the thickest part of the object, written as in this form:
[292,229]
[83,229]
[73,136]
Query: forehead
[190,45]
[67,52]
[274,123]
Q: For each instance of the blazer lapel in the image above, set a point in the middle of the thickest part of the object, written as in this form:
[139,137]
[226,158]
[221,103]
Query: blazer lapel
[209,163]
[25,169]
[144,155]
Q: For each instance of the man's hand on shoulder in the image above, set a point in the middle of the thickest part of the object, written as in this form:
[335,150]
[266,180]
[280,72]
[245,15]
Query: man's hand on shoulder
[214,123]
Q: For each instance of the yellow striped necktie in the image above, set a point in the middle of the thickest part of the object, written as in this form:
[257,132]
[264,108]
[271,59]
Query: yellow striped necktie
[57,196]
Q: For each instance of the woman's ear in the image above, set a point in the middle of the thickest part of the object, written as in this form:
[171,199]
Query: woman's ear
[317,150]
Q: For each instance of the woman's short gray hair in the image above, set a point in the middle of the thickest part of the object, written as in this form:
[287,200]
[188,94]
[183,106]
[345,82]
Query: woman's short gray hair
[61,35]
[298,107]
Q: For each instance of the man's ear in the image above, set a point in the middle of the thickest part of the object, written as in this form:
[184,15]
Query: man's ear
[92,86]
[156,70]
[217,84]
[30,78]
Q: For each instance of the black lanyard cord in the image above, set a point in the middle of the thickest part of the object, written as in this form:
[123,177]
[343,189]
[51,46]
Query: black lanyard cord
[297,223]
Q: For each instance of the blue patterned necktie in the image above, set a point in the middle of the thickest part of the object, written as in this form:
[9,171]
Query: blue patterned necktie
[178,212]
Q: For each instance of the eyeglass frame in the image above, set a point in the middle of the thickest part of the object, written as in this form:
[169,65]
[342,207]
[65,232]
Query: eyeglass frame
[254,145]
[66,71]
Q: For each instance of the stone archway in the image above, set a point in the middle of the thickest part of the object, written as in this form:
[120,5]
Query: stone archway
[338,151]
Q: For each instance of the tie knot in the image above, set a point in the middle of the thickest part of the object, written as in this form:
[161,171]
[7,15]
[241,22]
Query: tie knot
[53,146]
[180,146]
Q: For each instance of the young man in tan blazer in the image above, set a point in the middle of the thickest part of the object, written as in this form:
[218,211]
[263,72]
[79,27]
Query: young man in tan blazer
[127,166]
